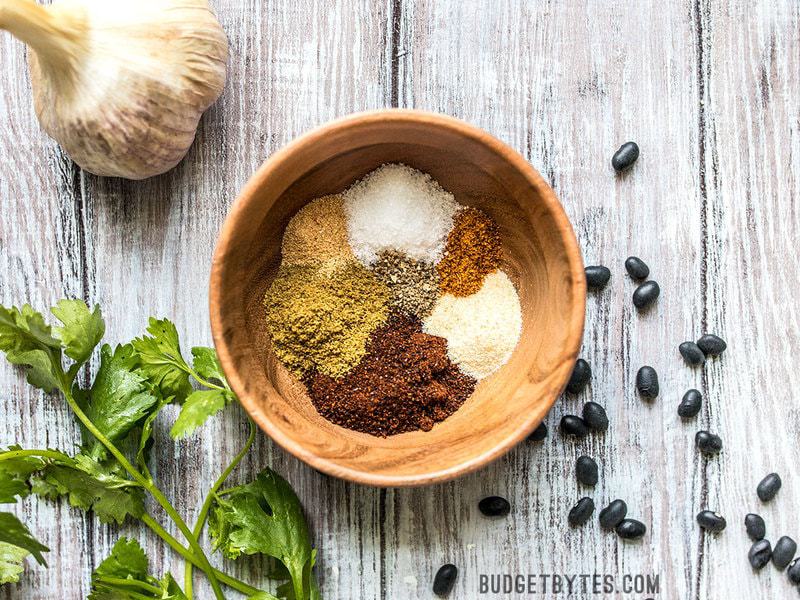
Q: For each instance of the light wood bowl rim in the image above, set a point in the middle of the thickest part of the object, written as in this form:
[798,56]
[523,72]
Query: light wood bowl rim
[227,239]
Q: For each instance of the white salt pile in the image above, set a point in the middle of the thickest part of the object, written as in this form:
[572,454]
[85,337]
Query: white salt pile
[481,330]
[398,208]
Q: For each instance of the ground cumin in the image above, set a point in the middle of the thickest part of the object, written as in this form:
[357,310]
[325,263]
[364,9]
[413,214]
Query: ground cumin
[473,251]
[405,382]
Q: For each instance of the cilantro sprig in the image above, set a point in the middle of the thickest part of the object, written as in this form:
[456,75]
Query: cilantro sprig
[109,474]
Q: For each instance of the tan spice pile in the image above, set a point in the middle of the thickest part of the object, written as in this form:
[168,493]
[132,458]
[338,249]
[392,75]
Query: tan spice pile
[413,284]
[473,251]
[317,233]
[320,319]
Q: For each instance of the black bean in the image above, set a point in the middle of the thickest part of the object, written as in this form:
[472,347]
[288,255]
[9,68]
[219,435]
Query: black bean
[759,554]
[597,276]
[637,268]
[690,404]
[586,470]
[581,512]
[613,514]
[630,529]
[595,416]
[647,382]
[708,443]
[625,157]
[581,374]
[794,572]
[645,294]
[572,425]
[769,487]
[539,433]
[691,353]
[755,526]
[711,521]
[494,506]
[445,580]
[783,553]
[711,344]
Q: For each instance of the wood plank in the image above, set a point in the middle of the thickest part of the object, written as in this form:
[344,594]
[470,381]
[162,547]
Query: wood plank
[566,84]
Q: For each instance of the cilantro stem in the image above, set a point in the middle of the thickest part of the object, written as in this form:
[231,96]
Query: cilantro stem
[120,582]
[236,584]
[12,454]
[203,515]
[205,565]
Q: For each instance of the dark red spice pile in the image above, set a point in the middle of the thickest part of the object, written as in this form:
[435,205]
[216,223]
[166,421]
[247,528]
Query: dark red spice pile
[404,383]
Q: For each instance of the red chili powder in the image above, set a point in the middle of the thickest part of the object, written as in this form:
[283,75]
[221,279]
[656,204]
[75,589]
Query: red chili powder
[404,383]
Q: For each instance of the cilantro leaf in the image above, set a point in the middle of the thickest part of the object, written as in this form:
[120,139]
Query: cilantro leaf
[14,532]
[14,474]
[123,576]
[91,485]
[199,406]
[119,398]
[27,341]
[82,329]
[206,364]
[161,359]
[265,517]
[11,559]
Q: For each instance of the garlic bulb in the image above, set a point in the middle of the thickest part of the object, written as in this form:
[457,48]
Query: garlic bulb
[121,84]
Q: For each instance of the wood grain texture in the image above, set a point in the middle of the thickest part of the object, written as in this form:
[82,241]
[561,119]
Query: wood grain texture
[709,91]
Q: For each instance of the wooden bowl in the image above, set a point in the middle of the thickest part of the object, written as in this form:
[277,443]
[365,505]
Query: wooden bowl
[541,256]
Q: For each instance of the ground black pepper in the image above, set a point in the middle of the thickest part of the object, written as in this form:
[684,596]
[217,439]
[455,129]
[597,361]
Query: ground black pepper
[404,383]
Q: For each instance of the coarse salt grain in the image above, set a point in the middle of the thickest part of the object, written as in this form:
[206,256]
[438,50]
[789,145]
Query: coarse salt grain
[481,330]
[398,208]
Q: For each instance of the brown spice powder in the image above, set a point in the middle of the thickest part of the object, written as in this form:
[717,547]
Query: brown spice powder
[473,251]
[404,383]
[317,233]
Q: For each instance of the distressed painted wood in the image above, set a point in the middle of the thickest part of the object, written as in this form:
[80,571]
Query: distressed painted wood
[709,91]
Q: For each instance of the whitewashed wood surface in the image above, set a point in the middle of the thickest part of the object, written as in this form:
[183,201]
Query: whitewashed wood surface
[711,92]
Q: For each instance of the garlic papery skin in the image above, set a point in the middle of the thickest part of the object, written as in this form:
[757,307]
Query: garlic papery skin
[121,84]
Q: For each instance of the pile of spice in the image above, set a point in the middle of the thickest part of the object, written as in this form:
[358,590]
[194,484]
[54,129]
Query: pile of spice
[389,304]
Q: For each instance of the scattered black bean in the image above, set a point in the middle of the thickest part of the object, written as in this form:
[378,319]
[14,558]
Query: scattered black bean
[794,572]
[637,268]
[769,487]
[711,344]
[586,470]
[494,506]
[708,443]
[539,433]
[572,425]
[581,512]
[783,553]
[613,514]
[690,404]
[691,353]
[711,521]
[595,416]
[597,276]
[581,374]
[759,554]
[445,580]
[645,294]
[630,529]
[625,157]
[647,382]
[755,526]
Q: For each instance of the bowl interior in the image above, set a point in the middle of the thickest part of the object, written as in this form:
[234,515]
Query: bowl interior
[540,256]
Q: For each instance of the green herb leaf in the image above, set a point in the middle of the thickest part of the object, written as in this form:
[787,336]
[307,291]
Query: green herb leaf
[206,364]
[161,359]
[41,372]
[27,341]
[124,576]
[199,406]
[91,485]
[119,398]
[146,439]
[14,474]
[265,517]
[11,562]
[82,329]
[14,532]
